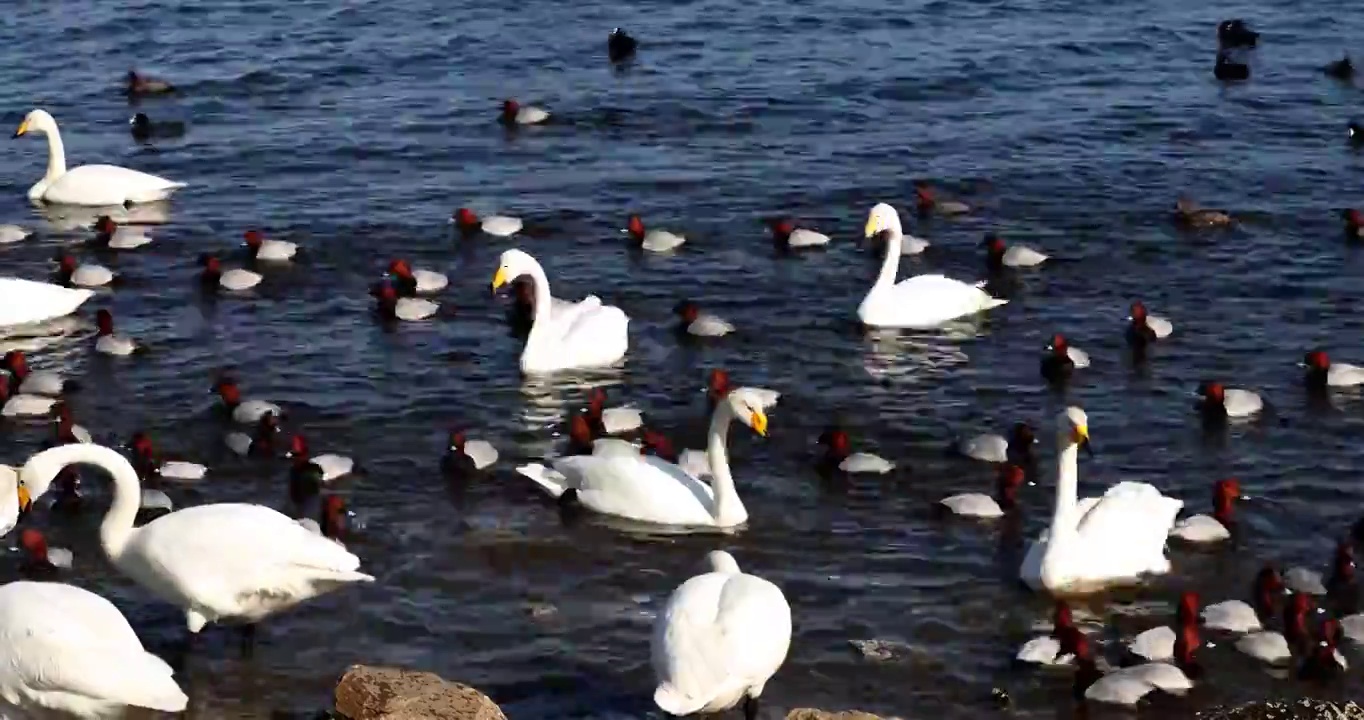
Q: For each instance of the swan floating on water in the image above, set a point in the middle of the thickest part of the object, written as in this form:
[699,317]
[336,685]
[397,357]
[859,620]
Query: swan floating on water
[88,185]
[25,301]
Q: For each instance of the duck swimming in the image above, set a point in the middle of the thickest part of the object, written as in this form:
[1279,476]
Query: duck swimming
[1189,213]
[84,275]
[246,412]
[137,84]
[1235,33]
[1341,69]
[1322,373]
[999,256]
[495,225]
[658,241]
[1354,224]
[838,455]
[698,323]
[926,202]
[214,278]
[109,236]
[514,114]
[1211,528]
[786,235]
[995,448]
[1060,360]
[389,306]
[1218,403]
[1007,481]
[1144,329]
[1239,616]
[620,46]
[258,247]
[142,128]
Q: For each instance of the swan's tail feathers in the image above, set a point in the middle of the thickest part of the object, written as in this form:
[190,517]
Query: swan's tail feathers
[151,684]
[153,194]
[992,302]
[673,701]
[552,481]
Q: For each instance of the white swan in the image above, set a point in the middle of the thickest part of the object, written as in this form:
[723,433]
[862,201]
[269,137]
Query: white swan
[89,185]
[1103,541]
[922,301]
[649,489]
[586,335]
[227,561]
[720,638]
[25,301]
[71,653]
[14,499]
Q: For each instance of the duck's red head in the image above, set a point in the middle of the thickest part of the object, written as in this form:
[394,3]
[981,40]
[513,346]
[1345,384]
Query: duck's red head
[1295,613]
[105,224]
[1138,310]
[457,440]
[253,238]
[994,243]
[782,228]
[1059,344]
[334,506]
[1224,494]
[579,431]
[1317,360]
[596,402]
[1212,390]
[1074,642]
[656,441]
[298,447]
[836,439]
[1008,479]
[15,362]
[1061,617]
[399,268]
[1354,217]
[140,444]
[210,263]
[718,383]
[465,218]
[635,226]
[66,262]
[33,543]
[1186,642]
[1186,613]
[923,195]
[104,322]
[687,311]
[510,108]
[227,389]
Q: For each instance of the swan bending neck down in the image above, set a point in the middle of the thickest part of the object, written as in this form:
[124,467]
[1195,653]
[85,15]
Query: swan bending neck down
[649,489]
[226,561]
[722,636]
[1099,542]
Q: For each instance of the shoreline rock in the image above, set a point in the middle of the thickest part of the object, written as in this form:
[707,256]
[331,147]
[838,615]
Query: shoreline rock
[385,693]
[1303,709]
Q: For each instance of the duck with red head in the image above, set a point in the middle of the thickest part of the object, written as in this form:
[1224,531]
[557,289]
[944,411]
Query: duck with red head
[333,466]
[1218,526]
[1218,403]
[1239,616]
[695,322]
[515,114]
[469,223]
[214,278]
[1046,649]
[1323,374]
[657,241]
[1060,360]
[610,421]
[246,412]
[1278,648]
[926,202]
[465,457]
[786,236]
[261,248]
[1008,479]
[838,455]
[64,428]
[1158,643]
[1354,224]
[30,382]
[23,405]
[579,436]
[1324,662]
[1144,329]
[261,443]
[108,342]
[109,236]
[411,282]
[83,275]
[335,519]
[1126,686]
[391,307]
[1000,256]
[39,561]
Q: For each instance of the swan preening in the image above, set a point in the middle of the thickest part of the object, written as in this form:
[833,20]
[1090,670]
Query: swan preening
[1098,542]
[89,185]
[579,336]
[223,562]
[648,489]
[919,302]
[721,637]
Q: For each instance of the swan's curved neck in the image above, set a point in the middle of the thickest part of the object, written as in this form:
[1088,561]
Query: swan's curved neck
[117,527]
[890,266]
[1067,480]
[56,155]
[540,315]
[729,509]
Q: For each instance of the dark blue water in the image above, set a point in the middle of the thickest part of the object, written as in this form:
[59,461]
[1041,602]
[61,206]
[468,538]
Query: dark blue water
[356,128]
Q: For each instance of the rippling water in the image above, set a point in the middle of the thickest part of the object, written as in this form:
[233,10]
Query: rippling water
[355,128]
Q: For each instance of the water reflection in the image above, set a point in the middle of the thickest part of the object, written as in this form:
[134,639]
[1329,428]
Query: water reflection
[892,354]
[70,218]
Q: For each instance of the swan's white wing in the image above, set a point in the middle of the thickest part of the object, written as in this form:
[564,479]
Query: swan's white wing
[694,463]
[973,505]
[637,487]
[26,301]
[925,301]
[1270,647]
[1200,529]
[1242,403]
[1231,615]
[99,185]
[1154,644]
[596,337]
[74,647]
[1127,528]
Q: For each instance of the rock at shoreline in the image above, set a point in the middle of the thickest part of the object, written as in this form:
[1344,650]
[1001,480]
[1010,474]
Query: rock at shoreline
[811,714]
[1305,709]
[383,693]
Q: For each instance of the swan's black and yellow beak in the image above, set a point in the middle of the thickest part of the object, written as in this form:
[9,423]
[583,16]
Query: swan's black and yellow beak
[1082,439]
[23,128]
[758,421]
[25,501]
[499,278]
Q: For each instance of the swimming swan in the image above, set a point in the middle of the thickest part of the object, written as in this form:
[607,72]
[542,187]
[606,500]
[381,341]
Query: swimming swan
[226,561]
[649,489]
[26,301]
[721,637]
[1099,542]
[586,335]
[922,301]
[70,652]
[89,185]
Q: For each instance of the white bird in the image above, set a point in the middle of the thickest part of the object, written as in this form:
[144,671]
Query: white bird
[614,420]
[234,280]
[699,323]
[220,562]
[25,301]
[720,638]
[12,234]
[70,652]
[586,335]
[922,301]
[1322,373]
[1111,540]
[1012,256]
[649,489]
[415,281]
[89,185]
[495,225]
[980,505]
[84,275]
[786,234]
[262,248]
[658,241]
[14,499]
[332,466]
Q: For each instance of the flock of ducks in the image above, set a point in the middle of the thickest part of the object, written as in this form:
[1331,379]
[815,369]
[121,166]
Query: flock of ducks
[723,633]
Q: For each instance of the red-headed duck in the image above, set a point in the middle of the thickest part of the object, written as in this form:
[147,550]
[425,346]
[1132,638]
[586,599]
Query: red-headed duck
[107,342]
[246,412]
[1322,373]
[389,306]
[410,282]
[40,561]
[1008,479]
[495,225]
[1277,648]
[84,275]
[785,234]
[1239,616]
[213,277]
[30,382]
[1218,402]
[1060,359]
[514,113]
[927,203]
[333,466]
[259,247]
[698,323]
[1046,649]
[610,421]
[1158,643]
[658,241]
[996,448]
[149,465]
[1215,527]
[838,455]
[1354,224]
[464,456]
[110,236]
[999,255]
[261,443]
